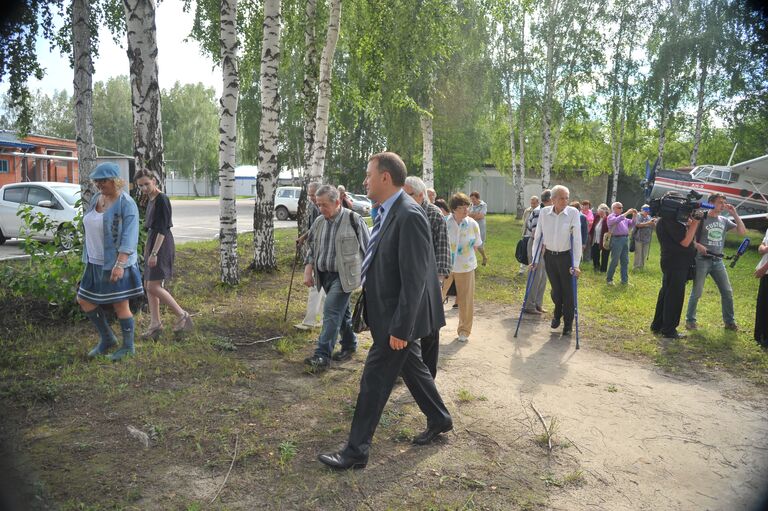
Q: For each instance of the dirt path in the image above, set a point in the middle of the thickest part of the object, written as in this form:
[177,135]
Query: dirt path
[643,439]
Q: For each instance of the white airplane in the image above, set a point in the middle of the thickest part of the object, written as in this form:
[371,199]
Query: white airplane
[745,185]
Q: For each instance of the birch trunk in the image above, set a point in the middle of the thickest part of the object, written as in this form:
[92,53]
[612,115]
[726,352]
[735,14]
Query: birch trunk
[83,96]
[704,70]
[546,148]
[309,98]
[516,175]
[663,123]
[145,88]
[521,125]
[427,148]
[264,258]
[324,96]
[228,144]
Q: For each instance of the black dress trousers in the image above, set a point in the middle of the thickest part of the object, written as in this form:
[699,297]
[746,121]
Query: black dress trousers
[669,305]
[558,266]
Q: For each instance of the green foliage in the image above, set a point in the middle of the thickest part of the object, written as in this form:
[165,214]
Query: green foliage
[51,274]
[191,130]
[112,115]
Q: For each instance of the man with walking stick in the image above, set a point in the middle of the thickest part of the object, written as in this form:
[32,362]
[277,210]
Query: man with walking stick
[559,234]
[336,246]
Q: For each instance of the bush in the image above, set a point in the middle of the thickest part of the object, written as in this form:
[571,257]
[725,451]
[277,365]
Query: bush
[51,274]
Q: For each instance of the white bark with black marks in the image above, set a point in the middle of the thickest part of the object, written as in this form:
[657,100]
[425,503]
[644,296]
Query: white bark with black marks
[309,98]
[264,258]
[324,96]
[228,143]
[700,96]
[83,96]
[427,137]
[145,87]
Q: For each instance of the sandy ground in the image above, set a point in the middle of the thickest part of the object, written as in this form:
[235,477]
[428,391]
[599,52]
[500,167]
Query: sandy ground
[643,439]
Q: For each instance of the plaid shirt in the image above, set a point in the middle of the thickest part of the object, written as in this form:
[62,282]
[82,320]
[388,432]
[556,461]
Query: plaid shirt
[321,241]
[439,238]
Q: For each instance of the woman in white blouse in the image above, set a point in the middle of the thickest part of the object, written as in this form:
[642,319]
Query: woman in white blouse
[464,239]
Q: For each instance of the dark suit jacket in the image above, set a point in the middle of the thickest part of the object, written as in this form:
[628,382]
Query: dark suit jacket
[402,290]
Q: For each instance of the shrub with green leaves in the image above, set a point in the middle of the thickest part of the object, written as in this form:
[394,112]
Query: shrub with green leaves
[52,273]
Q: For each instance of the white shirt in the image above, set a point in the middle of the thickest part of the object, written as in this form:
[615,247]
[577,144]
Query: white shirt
[463,238]
[554,232]
[94,236]
[598,230]
[764,259]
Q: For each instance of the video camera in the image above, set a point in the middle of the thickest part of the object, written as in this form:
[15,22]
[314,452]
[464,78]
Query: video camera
[674,206]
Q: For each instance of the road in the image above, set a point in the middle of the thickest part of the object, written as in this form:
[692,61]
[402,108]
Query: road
[193,220]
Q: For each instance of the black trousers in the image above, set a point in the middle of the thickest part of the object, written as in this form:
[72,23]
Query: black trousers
[669,305]
[430,349]
[561,282]
[382,367]
[761,313]
[600,258]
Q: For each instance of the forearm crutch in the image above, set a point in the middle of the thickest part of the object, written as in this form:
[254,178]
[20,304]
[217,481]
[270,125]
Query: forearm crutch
[575,292]
[531,275]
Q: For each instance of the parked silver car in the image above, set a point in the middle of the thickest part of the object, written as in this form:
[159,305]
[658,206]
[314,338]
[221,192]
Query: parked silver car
[55,200]
[360,204]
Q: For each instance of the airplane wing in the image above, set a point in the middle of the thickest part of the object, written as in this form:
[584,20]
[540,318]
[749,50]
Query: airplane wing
[757,167]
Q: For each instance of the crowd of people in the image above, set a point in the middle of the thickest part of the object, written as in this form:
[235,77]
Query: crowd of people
[419,248]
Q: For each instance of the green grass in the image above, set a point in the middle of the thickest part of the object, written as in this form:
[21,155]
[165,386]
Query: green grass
[617,318]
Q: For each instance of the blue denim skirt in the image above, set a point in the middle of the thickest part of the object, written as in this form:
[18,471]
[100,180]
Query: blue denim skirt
[96,288]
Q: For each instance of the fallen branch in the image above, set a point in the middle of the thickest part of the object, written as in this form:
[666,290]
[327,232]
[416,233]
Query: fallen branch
[234,457]
[546,429]
[258,342]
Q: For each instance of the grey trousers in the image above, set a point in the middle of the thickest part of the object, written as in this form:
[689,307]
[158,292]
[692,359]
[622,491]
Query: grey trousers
[539,282]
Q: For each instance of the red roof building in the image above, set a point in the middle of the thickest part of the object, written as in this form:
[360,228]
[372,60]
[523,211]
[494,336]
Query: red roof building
[37,158]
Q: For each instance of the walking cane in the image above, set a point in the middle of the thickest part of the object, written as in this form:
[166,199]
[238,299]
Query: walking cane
[575,293]
[290,286]
[531,274]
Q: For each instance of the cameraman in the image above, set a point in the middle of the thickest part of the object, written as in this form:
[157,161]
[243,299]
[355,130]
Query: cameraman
[710,241]
[677,255]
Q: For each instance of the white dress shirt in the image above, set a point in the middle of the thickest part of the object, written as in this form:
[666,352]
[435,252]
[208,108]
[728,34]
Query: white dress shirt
[554,230]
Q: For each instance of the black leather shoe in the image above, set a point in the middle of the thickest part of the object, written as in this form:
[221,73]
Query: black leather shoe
[317,363]
[567,329]
[341,356]
[555,323]
[340,461]
[676,335]
[431,433]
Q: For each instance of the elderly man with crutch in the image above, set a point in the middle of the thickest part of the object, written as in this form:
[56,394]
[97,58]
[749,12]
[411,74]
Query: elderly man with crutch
[558,233]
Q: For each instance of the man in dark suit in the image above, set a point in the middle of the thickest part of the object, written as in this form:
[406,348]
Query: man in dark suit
[402,300]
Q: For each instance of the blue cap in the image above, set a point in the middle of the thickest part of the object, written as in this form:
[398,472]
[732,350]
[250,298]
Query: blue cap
[106,170]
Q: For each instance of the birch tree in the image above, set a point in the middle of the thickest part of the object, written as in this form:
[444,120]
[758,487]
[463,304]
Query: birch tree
[428,148]
[83,96]
[309,103]
[228,143]
[324,94]
[145,88]
[263,216]
[566,29]
[623,68]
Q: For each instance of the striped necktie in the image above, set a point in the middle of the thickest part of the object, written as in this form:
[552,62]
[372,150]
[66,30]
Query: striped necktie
[372,242]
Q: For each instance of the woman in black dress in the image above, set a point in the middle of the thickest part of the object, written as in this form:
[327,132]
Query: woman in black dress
[159,253]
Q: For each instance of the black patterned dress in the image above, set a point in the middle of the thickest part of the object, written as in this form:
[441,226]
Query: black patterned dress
[158,221]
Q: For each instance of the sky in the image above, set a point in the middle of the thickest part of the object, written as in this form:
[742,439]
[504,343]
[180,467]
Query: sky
[177,60]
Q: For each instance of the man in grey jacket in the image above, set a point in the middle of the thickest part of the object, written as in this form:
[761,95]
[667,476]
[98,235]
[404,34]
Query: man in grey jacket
[337,242]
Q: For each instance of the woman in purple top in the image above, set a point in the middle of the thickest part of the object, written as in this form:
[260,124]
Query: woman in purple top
[619,225]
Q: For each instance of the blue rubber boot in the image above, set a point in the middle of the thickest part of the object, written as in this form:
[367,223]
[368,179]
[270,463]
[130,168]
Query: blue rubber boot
[108,338]
[126,325]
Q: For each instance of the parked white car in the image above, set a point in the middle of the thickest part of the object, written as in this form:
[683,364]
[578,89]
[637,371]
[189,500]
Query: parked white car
[55,200]
[287,202]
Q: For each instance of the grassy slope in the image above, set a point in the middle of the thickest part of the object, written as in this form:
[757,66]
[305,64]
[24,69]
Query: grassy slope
[617,318]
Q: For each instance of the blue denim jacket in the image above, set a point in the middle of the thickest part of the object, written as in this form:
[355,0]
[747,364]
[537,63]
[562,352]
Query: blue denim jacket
[121,230]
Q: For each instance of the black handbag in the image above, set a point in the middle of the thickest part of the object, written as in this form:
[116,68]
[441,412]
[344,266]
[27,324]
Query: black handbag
[359,323]
[521,251]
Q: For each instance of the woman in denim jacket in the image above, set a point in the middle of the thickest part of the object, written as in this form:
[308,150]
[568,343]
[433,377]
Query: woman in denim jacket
[111,273]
